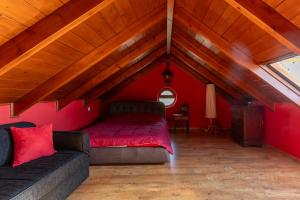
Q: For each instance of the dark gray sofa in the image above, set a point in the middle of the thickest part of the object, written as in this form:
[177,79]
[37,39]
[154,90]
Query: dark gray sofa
[53,177]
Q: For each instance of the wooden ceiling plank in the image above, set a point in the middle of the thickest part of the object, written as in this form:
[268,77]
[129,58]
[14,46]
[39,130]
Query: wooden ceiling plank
[270,21]
[182,17]
[170,11]
[125,10]
[198,27]
[97,92]
[85,63]
[45,6]
[205,73]
[112,16]
[47,30]
[98,78]
[214,12]
[213,61]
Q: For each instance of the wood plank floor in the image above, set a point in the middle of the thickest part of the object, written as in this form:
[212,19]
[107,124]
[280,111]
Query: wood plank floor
[203,167]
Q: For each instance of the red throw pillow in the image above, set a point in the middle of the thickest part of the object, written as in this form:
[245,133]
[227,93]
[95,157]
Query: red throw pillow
[32,143]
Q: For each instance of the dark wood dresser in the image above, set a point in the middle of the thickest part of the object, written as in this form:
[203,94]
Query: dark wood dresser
[247,125]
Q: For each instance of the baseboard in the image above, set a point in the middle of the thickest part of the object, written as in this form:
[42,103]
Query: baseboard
[191,129]
[200,129]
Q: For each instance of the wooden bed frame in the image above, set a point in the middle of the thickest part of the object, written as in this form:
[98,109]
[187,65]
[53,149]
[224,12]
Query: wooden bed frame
[131,155]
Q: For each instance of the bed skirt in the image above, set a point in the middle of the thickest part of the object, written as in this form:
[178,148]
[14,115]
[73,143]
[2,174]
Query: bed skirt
[128,155]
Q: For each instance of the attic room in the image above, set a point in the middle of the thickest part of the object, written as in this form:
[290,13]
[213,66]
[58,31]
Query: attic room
[149,99]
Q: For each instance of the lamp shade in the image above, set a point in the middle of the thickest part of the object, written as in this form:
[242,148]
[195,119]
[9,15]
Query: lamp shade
[210,109]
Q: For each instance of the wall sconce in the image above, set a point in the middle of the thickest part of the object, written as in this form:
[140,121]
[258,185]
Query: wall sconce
[167,74]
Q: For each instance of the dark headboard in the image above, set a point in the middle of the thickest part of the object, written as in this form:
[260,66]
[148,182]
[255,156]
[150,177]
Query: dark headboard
[125,107]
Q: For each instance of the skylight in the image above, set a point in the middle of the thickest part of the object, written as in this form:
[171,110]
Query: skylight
[289,69]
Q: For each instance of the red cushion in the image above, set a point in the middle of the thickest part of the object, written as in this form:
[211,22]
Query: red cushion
[32,143]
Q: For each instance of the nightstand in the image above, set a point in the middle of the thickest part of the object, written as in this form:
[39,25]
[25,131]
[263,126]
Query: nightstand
[180,118]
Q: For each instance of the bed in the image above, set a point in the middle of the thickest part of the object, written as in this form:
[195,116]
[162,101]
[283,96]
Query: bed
[133,133]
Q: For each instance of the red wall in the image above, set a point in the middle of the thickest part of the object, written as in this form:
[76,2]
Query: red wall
[75,116]
[72,117]
[282,128]
[188,89]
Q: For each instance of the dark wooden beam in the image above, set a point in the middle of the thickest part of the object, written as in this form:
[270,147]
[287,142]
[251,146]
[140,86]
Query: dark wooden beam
[189,70]
[47,30]
[196,26]
[202,70]
[119,87]
[123,62]
[199,77]
[98,91]
[76,69]
[272,22]
[215,62]
[191,23]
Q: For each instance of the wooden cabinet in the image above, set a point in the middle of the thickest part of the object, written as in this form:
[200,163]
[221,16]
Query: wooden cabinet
[247,125]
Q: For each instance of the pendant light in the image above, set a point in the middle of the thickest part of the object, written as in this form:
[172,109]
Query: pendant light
[167,74]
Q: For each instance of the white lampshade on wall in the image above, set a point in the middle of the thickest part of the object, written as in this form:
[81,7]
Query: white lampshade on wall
[210,111]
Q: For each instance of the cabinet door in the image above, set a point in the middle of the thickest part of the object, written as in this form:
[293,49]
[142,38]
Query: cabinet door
[253,122]
[238,123]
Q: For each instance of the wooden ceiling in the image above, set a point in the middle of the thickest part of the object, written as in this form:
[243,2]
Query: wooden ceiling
[63,50]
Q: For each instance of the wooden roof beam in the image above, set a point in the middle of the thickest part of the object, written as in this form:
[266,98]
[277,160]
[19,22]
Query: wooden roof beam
[119,87]
[170,11]
[85,63]
[189,70]
[123,62]
[116,89]
[268,19]
[47,30]
[213,61]
[98,91]
[188,61]
[199,77]
[196,26]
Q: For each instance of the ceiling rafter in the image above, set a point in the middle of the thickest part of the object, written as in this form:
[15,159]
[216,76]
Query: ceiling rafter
[119,87]
[199,77]
[170,13]
[187,20]
[213,61]
[47,30]
[188,70]
[98,78]
[187,60]
[98,91]
[268,19]
[85,63]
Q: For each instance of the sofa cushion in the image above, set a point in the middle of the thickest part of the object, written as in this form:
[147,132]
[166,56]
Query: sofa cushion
[6,143]
[36,178]
[32,143]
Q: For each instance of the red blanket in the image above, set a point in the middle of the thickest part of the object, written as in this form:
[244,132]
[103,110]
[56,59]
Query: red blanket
[131,130]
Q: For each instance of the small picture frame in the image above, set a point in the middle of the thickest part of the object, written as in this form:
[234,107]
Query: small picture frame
[184,108]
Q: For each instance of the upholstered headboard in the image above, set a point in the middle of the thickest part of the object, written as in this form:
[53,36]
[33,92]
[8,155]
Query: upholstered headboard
[125,107]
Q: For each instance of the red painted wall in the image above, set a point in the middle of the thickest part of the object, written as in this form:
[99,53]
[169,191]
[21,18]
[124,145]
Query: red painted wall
[282,128]
[188,89]
[72,117]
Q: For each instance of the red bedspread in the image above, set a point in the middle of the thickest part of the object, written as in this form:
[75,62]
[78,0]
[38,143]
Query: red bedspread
[131,130]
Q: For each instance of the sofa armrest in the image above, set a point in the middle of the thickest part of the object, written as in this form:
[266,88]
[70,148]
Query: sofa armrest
[71,140]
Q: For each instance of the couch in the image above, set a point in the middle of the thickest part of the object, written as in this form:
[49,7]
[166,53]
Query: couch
[53,177]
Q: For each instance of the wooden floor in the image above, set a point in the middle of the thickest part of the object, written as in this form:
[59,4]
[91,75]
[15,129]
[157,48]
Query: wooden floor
[203,167]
